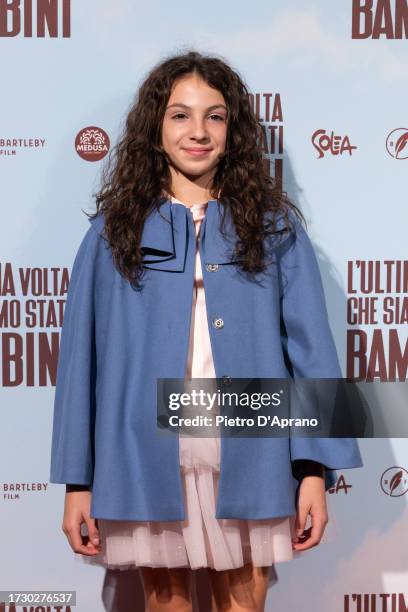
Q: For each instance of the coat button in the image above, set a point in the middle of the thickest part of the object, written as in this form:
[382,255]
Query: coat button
[218,323]
[212,267]
[226,380]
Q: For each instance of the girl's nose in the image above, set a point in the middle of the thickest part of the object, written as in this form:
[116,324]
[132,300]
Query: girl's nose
[199,130]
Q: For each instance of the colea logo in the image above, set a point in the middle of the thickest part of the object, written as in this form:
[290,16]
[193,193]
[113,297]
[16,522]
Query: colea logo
[92,143]
[20,18]
[331,143]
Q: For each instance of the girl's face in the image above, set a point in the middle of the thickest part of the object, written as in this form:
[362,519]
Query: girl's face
[194,130]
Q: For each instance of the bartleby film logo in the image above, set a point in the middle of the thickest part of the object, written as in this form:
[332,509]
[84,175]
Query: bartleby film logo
[380,19]
[35,18]
[92,143]
[12,146]
[15,491]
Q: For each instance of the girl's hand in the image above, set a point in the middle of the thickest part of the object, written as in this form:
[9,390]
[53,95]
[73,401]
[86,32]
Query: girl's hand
[77,511]
[311,500]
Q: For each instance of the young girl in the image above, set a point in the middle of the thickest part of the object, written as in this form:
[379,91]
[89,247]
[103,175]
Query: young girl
[195,266]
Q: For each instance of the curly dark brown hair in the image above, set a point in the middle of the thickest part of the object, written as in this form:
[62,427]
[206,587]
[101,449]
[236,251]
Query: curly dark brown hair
[137,174]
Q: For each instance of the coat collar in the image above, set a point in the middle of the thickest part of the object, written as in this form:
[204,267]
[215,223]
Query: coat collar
[166,231]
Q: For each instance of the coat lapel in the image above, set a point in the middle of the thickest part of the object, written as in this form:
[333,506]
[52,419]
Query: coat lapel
[216,249]
[165,238]
[166,231]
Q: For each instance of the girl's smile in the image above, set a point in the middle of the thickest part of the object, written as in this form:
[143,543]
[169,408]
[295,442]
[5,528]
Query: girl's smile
[197,152]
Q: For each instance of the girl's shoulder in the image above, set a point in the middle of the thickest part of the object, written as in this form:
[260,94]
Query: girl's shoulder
[90,253]
[98,223]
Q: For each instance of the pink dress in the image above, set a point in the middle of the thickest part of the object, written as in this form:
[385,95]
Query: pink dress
[201,540]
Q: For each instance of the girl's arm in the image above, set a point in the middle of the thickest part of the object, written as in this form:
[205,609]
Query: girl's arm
[305,467]
[309,345]
[72,454]
[72,450]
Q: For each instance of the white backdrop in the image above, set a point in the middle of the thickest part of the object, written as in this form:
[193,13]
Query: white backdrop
[302,53]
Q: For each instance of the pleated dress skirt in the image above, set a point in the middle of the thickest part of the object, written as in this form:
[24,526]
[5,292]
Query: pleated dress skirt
[201,540]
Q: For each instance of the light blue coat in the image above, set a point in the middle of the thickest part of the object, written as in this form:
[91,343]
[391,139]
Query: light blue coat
[117,341]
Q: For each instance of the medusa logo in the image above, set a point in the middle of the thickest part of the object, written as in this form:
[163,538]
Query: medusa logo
[397,143]
[92,143]
[394,481]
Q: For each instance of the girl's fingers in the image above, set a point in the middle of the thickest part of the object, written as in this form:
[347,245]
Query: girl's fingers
[93,532]
[73,533]
[311,500]
[90,548]
[300,522]
[312,535]
[79,543]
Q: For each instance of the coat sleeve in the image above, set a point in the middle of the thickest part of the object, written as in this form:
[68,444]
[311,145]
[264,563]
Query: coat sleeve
[72,447]
[308,345]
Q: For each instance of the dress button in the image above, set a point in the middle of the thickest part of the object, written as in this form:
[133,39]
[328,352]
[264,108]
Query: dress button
[218,323]
[226,380]
[212,267]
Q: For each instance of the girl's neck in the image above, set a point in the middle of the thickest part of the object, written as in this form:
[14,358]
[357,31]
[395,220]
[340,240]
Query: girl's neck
[188,201]
[195,205]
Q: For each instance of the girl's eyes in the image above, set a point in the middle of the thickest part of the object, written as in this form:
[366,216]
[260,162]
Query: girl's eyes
[218,117]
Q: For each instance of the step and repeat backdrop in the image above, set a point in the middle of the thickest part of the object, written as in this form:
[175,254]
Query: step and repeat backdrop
[329,81]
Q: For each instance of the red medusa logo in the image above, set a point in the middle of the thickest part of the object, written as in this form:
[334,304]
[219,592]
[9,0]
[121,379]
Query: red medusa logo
[92,143]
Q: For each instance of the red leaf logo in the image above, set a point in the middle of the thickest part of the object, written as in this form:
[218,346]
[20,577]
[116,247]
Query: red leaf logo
[401,143]
[395,481]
